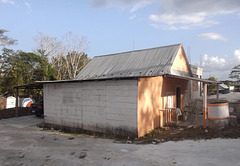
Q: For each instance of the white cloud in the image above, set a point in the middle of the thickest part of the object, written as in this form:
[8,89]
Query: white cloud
[219,67]
[237,55]
[173,28]
[181,14]
[214,63]
[211,36]
[173,18]
[188,14]
[8,1]
[140,4]
[28,6]
[186,26]
[156,26]
[214,66]
[184,21]
[132,5]
[132,17]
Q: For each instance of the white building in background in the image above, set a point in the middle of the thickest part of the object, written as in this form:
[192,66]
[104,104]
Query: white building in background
[11,102]
[195,86]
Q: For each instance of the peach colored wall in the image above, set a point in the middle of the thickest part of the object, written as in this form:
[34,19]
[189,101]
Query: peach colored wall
[170,85]
[152,99]
[180,62]
[149,96]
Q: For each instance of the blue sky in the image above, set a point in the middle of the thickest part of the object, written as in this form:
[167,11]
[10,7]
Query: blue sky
[208,29]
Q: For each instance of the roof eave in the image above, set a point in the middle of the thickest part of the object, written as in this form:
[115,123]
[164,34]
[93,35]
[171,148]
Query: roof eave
[192,78]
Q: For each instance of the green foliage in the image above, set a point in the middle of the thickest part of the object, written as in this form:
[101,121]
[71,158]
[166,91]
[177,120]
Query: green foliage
[212,88]
[235,73]
[19,68]
[5,40]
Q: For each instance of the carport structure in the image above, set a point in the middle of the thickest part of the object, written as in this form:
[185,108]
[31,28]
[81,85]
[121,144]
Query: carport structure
[35,85]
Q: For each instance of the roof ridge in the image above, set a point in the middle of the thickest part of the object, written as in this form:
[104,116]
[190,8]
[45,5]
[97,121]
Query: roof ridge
[136,50]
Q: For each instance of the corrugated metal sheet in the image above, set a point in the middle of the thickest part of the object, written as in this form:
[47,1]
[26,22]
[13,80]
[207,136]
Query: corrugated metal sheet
[139,63]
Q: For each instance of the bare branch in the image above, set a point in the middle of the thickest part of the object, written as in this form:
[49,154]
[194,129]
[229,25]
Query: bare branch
[65,55]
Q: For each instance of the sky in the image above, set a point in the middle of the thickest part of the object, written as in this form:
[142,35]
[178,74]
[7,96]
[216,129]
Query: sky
[208,29]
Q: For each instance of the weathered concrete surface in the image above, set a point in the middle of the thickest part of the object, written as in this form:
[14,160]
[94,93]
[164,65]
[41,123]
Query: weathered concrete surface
[21,122]
[103,106]
[28,145]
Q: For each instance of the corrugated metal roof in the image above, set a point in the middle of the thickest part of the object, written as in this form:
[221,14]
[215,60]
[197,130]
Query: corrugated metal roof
[139,63]
[223,86]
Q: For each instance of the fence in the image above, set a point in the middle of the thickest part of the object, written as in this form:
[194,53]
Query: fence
[11,112]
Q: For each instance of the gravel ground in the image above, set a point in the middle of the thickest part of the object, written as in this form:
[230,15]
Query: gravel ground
[230,97]
[22,143]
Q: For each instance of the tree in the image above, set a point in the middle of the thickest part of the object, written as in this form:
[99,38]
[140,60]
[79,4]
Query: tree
[5,40]
[7,71]
[18,68]
[47,46]
[67,56]
[235,73]
[69,68]
[212,88]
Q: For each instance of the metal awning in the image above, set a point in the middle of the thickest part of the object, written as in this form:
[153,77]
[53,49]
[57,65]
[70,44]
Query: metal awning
[39,84]
[192,78]
[35,85]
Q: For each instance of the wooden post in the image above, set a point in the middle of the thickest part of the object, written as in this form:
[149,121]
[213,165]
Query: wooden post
[159,118]
[204,105]
[16,101]
[218,91]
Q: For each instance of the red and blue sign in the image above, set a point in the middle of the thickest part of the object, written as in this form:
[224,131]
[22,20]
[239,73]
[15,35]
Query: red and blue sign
[27,102]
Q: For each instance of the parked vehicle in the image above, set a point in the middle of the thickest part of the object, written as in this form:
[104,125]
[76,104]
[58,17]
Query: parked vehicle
[37,108]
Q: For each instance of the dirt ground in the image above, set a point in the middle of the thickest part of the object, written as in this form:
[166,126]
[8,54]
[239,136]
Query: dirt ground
[22,143]
[172,132]
[25,142]
[230,97]
[177,133]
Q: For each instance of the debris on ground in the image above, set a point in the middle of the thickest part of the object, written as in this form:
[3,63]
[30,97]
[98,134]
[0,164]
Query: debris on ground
[70,138]
[82,155]
[172,132]
[177,133]
[73,153]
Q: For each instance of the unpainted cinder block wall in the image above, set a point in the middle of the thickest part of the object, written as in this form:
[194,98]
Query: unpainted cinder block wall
[103,106]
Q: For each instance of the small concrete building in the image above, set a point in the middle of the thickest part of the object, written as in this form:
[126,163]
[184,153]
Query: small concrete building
[129,93]
[223,88]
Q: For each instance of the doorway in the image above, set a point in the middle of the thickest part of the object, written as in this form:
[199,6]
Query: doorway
[178,97]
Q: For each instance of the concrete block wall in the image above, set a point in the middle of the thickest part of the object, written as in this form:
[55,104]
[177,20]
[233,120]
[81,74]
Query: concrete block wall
[104,106]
